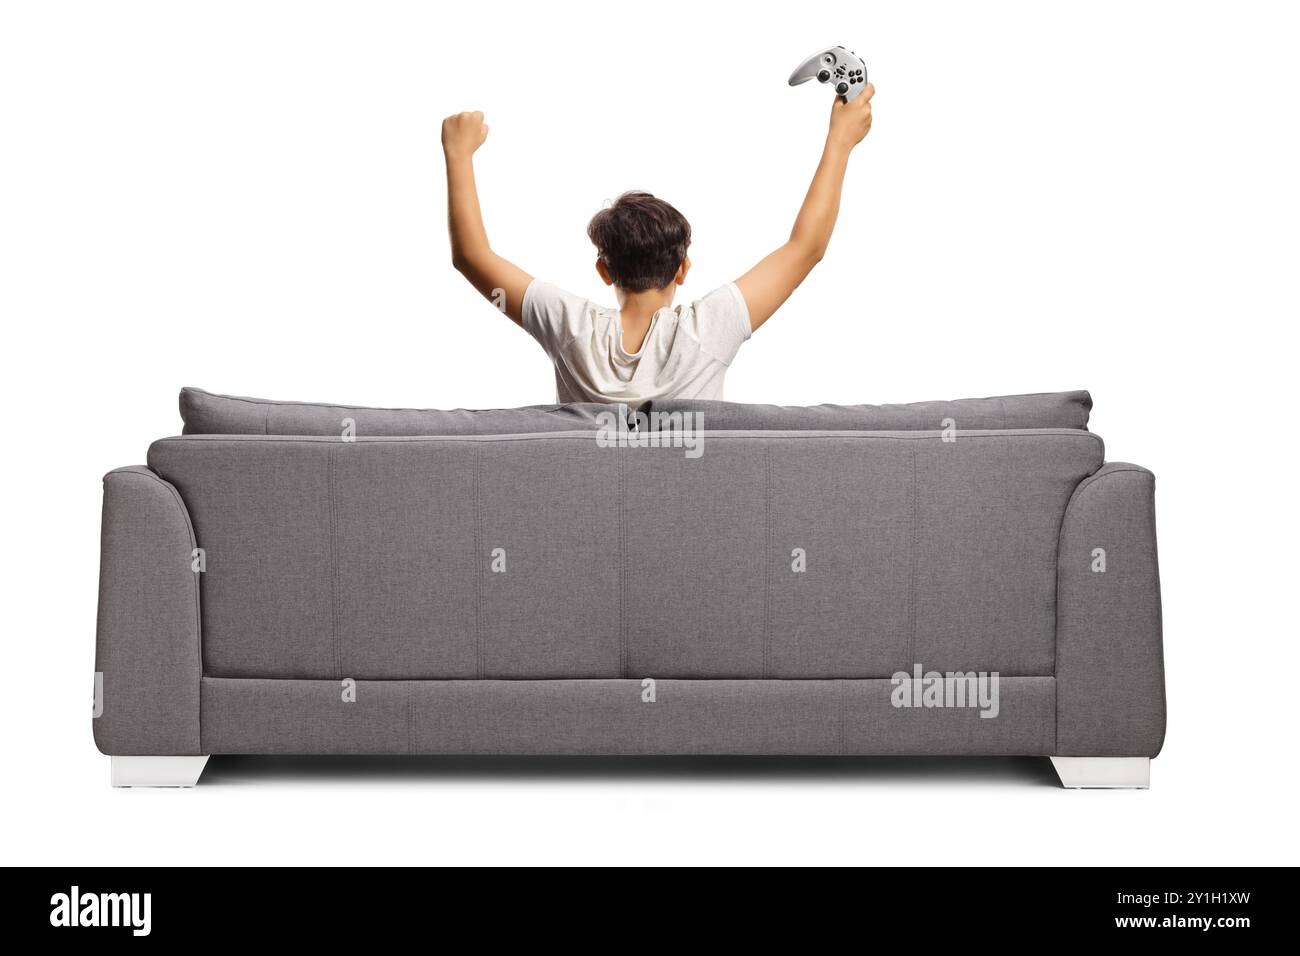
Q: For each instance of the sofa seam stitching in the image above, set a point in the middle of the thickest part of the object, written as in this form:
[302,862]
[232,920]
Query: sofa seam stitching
[721,434]
[769,557]
[911,578]
[410,717]
[841,696]
[621,468]
[565,678]
[331,484]
[478,570]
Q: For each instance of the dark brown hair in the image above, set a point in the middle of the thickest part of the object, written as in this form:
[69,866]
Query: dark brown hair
[642,241]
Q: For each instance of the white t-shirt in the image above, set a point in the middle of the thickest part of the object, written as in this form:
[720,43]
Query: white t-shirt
[685,354]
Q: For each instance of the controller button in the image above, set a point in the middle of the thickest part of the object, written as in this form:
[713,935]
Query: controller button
[841,88]
[822,76]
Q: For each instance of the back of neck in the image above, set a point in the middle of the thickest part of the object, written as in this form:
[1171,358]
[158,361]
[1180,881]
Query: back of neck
[637,308]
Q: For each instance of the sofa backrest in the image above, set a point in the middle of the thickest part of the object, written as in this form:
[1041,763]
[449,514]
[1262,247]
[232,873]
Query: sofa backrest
[772,554]
[1038,410]
[205,413]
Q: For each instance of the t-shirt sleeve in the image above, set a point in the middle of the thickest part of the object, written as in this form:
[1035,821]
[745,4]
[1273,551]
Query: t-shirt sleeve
[551,315]
[722,322]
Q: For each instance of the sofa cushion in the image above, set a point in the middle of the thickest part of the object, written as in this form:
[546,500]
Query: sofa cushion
[205,413]
[1038,410]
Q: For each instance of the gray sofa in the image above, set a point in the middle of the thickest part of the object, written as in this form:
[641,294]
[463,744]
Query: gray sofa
[955,578]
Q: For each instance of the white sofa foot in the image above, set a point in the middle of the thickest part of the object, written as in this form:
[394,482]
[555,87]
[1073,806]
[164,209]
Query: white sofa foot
[157,771]
[1104,773]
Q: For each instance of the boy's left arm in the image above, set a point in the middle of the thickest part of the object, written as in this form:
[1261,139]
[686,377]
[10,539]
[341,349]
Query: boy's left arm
[499,280]
[770,283]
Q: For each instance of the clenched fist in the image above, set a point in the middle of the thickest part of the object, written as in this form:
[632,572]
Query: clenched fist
[851,121]
[462,134]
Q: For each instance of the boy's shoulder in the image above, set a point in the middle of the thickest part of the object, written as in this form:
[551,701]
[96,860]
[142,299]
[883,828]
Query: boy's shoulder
[553,315]
[719,320]
[542,295]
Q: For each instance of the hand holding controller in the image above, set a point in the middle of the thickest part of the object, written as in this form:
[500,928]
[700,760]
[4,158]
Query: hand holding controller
[837,66]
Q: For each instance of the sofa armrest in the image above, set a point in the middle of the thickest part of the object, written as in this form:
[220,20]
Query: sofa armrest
[147,651]
[1110,685]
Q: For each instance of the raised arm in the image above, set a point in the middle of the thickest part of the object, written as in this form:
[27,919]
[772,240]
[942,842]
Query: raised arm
[499,280]
[770,283]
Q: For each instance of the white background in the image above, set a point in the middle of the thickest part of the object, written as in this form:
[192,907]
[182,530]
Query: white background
[248,197]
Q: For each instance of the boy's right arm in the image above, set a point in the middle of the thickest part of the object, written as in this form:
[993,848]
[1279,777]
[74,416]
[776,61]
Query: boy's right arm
[770,283]
[499,280]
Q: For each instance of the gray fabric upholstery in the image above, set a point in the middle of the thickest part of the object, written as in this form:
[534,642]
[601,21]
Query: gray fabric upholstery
[901,567]
[147,638]
[1110,665]
[1039,410]
[207,414]
[371,559]
[797,717]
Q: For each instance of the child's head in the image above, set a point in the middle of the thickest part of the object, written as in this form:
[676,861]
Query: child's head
[640,243]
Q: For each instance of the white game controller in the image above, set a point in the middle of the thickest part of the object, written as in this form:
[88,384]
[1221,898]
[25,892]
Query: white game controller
[837,66]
